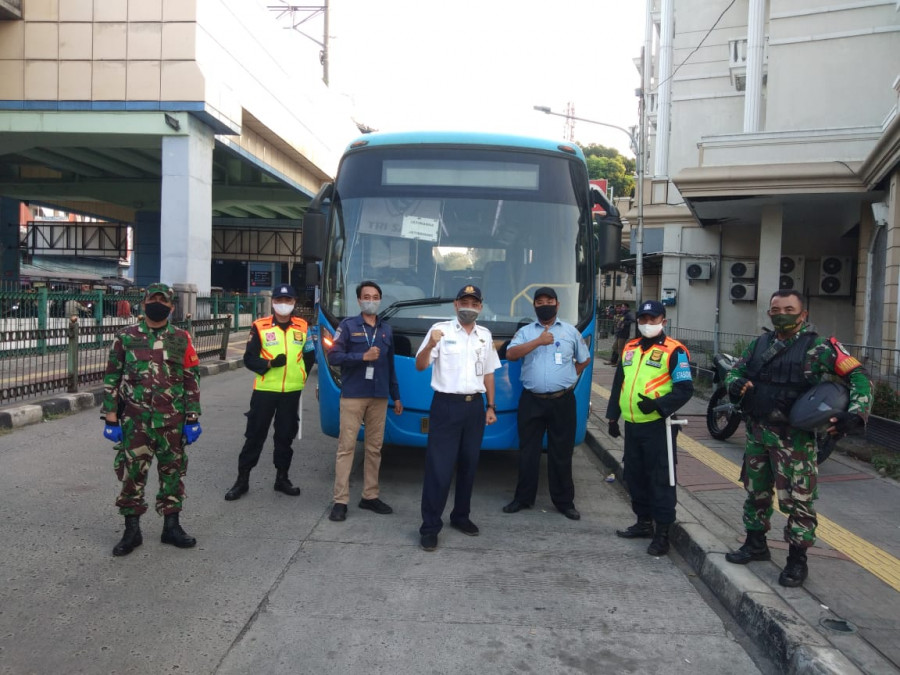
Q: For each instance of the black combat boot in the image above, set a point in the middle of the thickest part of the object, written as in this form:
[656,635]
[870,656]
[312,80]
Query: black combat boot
[642,529]
[131,538]
[173,534]
[755,548]
[795,571]
[660,543]
[241,486]
[283,483]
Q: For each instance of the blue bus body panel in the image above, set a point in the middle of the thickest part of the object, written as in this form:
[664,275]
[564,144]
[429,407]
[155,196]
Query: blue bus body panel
[462,138]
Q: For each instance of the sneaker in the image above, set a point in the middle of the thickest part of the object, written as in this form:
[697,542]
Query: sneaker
[428,542]
[375,505]
[466,527]
[338,512]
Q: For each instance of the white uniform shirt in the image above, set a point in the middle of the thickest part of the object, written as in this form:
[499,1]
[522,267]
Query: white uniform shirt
[461,360]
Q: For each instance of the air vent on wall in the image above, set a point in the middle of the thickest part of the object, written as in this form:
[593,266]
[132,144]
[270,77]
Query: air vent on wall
[834,275]
[743,292]
[791,273]
[742,270]
[698,271]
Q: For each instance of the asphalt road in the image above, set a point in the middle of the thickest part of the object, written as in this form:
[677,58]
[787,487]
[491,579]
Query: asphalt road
[274,587]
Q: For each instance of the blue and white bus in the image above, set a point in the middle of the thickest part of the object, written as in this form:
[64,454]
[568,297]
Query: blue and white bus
[426,213]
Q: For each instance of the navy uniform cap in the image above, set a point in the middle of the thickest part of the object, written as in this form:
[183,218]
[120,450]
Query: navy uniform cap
[470,290]
[284,291]
[652,308]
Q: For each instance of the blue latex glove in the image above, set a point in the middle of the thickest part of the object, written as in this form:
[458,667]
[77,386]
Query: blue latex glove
[192,432]
[112,432]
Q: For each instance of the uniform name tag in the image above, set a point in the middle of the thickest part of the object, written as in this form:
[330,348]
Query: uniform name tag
[370,372]
[557,358]
[655,358]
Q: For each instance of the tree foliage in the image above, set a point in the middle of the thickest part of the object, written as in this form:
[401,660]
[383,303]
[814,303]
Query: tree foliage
[604,162]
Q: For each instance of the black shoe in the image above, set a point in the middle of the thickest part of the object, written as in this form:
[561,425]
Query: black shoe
[571,513]
[795,571]
[283,484]
[174,534]
[660,543]
[428,542]
[642,529]
[241,486]
[338,512]
[515,506]
[375,505]
[466,527]
[131,538]
[755,548]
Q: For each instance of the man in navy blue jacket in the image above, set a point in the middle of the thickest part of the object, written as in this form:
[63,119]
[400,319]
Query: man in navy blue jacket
[364,350]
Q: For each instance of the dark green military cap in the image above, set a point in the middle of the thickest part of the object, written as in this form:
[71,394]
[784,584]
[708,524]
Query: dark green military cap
[160,288]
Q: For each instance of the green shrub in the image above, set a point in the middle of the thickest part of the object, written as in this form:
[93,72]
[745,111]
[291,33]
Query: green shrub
[887,401]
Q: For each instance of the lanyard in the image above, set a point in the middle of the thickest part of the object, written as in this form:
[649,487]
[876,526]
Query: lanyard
[366,333]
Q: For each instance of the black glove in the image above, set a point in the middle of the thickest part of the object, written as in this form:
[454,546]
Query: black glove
[613,430]
[278,362]
[848,422]
[734,389]
[646,405]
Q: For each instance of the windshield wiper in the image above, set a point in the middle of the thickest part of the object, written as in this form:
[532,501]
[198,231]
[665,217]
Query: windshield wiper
[394,307]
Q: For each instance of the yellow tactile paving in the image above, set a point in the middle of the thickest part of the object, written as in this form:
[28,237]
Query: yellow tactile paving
[871,558]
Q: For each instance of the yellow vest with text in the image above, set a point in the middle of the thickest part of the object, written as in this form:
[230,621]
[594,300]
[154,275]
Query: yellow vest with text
[647,373]
[275,341]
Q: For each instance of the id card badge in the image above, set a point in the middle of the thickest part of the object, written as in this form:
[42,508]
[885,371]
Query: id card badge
[370,372]
[479,368]
[557,358]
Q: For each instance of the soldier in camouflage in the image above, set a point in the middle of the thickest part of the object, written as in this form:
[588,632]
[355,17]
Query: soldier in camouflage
[151,407]
[773,372]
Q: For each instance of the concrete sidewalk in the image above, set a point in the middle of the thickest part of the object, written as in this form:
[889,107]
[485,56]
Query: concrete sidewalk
[848,610]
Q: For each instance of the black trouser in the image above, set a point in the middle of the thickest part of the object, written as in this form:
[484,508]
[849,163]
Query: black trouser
[455,431]
[263,406]
[647,471]
[556,417]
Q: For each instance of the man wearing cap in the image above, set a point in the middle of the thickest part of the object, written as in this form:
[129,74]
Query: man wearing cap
[275,353]
[151,407]
[464,360]
[553,355]
[652,381]
[363,349]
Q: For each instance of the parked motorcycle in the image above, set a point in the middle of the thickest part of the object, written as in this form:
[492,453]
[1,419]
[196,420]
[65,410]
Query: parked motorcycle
[724,417]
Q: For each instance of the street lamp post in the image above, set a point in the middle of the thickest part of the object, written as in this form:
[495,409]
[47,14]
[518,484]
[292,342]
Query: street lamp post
[637,146]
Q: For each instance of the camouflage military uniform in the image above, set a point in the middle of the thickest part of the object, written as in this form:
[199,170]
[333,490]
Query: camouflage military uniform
[152,380]
[784,458]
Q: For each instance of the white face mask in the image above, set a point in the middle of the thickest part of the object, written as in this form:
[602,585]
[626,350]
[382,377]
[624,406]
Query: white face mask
[283,308]
[650,330]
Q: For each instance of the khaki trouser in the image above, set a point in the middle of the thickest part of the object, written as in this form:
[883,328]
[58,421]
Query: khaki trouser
[355,411]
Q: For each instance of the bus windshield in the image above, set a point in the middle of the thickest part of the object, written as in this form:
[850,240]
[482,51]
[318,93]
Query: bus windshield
[425,221]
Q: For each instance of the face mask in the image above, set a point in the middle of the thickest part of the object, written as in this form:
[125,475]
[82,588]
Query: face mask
[157,311]
[650,330]
[283,308]
[785,323]
[369,306]
[545,312]
[466,316]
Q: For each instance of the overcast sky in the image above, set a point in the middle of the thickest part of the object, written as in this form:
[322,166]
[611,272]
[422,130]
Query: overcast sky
[426,64]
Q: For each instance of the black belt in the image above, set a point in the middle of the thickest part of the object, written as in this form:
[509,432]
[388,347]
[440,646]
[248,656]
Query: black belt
[552,394]
[460,397]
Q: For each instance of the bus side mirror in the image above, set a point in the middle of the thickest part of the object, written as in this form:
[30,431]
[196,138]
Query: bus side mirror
[311,274]
[314,236]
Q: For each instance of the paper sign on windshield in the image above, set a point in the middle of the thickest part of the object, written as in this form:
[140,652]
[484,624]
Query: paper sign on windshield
[416,227]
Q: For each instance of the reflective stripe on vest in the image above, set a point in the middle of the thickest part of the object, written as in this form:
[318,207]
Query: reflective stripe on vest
[274,341]
[646,373]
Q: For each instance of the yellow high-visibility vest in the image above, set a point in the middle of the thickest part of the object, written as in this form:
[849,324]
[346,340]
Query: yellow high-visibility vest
[647,373]
[275,341]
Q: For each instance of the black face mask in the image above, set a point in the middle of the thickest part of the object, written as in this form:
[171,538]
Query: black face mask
[545,312]
[157,311]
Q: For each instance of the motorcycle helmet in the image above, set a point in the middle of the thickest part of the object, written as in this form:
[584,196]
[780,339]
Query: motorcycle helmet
[815,408]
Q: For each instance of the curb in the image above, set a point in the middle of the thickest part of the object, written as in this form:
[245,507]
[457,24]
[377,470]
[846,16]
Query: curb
[789,640]
[17,416]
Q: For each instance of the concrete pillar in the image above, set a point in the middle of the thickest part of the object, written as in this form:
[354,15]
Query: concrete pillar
[756,36]
[9,240]
[664,92]
[266,307]
[769,267]
[185,301]
[146,248]
[186,217]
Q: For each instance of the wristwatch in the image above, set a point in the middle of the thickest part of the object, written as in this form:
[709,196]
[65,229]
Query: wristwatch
[491,406]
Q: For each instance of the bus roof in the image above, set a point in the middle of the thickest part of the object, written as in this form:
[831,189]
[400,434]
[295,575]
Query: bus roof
[476,138]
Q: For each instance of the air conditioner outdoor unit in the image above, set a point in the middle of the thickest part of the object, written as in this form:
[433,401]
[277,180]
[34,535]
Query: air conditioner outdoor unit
[742,270]
[698,271]
[743,292]
[834,275]
[791,277]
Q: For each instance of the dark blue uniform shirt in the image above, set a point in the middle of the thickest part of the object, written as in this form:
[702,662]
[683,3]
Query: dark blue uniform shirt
[352,339]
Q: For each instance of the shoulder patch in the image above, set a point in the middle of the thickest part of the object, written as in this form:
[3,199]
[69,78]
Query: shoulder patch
[844,363]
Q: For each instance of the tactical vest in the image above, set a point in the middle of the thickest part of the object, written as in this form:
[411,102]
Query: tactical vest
[777,376]
[646,373]
[275,341]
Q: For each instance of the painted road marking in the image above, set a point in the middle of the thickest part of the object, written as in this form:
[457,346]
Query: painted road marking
[868,556]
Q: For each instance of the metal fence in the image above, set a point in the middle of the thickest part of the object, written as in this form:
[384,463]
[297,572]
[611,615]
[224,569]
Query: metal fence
[36,361]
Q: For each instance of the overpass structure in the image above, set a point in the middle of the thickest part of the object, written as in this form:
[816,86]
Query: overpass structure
[201,123]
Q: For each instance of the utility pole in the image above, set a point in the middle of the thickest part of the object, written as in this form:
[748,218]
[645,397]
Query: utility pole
[299,15]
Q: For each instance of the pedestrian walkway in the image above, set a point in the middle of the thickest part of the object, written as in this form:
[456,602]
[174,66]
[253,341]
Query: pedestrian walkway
[851,600]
